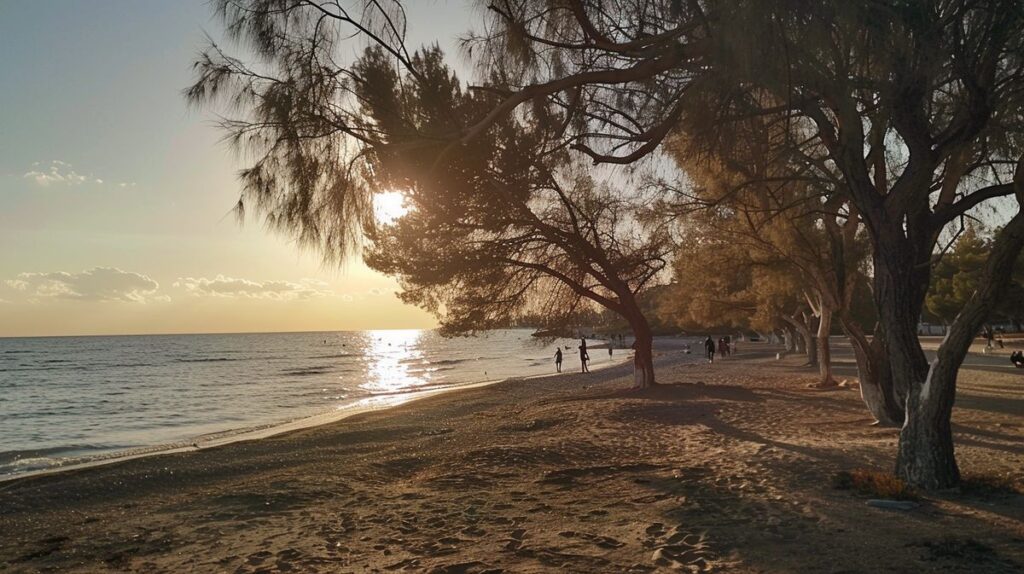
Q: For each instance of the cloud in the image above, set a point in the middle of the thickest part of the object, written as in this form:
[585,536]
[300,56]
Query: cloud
[221,286]
[97,284]
[58,173]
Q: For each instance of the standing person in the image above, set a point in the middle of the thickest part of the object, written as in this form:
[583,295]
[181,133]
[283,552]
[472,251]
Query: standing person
[558,360]
[709,349]
[584,357]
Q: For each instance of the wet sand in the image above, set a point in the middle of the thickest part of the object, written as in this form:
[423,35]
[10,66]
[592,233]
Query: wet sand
[727,468]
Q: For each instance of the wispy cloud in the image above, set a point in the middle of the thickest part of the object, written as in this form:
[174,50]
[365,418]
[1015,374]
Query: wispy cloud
[97,284]
[59,173]
[221,286]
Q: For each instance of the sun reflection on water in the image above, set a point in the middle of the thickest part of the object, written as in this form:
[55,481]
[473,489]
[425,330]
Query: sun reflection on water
[392,356]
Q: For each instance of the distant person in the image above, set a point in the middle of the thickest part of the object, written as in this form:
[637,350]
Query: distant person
[609,349]
[989,335]
[709,349]
[1017,358]
[584,357]
[723,347]
[558,360]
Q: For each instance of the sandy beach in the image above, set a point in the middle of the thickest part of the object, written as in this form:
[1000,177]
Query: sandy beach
[726,468]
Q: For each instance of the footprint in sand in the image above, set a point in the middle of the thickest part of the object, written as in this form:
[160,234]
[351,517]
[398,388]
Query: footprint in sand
[606,542]
[515,541]
[679,549]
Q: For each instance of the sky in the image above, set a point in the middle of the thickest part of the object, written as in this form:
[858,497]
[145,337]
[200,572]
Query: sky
[115,197]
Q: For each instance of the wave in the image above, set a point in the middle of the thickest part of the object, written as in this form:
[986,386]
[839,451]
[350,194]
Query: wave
[31,457]
[448,361]
[208,360]
[336,356]
[305,371]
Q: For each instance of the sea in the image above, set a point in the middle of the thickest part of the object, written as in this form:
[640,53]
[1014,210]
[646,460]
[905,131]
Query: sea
[73,400]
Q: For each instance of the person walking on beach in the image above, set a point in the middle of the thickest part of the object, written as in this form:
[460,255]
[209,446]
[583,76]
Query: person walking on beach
[558,360]
[584,357]
[709,349]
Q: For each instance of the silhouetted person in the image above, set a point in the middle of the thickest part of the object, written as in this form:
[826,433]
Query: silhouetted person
[558,360]
[709,349]
[584,357]
[1017,358]
[723,347]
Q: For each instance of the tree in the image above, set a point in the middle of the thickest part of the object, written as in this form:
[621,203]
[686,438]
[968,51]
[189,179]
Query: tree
[773,196]
[499,228]
[956,278]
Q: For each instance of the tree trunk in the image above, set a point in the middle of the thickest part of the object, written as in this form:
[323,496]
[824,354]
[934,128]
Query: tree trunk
[789,338]
[643,362]
[925,457]
[876,386]
[643,356]
[824,349]
[809,347]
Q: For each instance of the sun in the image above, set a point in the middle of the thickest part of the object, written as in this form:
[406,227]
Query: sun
[389,206]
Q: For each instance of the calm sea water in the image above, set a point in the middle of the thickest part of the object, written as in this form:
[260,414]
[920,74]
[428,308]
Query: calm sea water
[69,399]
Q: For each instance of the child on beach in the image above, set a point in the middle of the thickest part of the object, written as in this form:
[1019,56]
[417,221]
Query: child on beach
[584,357]
[558,360]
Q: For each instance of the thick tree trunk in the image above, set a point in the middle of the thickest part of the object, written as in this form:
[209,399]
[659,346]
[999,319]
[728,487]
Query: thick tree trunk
[925,457]
[824,349]
[876,386]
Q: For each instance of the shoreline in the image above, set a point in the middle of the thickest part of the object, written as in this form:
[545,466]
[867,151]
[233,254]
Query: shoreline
[369,404]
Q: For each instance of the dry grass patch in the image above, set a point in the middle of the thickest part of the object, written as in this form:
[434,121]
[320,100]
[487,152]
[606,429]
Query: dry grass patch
[874,483]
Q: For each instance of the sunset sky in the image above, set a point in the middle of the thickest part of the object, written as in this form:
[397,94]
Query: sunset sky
[115,197]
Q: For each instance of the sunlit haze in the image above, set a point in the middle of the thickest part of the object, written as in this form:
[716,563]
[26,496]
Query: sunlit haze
[115,198]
